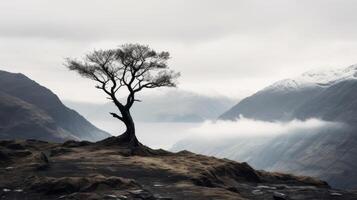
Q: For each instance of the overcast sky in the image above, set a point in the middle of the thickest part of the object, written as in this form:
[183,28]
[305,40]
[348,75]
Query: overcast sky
[225,47]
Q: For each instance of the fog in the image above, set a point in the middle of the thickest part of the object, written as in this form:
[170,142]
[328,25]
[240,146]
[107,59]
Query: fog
[244,127]
[166,135]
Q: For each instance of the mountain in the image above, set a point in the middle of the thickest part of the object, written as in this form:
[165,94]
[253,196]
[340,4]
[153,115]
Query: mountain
[166,106]
[329,154]
[335,103]
[300,97]
[22,120]
[29,110]
[34,169]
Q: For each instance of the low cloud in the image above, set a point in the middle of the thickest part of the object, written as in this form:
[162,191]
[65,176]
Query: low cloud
[213,130]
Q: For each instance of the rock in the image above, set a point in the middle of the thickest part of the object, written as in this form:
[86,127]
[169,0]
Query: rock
[266,187]
[279,196]
[336,194]
[257,192]
[136,191]
[110,196]
[121,197]
[142,194]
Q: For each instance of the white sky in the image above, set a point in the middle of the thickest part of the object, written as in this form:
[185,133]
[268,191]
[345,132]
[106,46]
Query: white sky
[226,47]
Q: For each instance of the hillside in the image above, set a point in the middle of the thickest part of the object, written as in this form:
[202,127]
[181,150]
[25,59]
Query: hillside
[329,154]
[81,170]
[313,94]
[37,113]
[21,120]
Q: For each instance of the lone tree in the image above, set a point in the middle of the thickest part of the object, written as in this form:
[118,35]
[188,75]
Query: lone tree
[123,72]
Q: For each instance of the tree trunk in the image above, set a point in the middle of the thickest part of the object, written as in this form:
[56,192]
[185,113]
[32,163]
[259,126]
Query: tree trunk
[129,135]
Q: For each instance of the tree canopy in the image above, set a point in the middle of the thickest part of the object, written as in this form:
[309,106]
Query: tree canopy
[125,71]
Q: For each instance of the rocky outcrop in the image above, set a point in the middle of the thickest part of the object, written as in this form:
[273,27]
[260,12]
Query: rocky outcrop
[95,171]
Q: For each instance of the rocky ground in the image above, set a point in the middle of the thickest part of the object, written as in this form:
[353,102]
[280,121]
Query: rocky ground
[34,169]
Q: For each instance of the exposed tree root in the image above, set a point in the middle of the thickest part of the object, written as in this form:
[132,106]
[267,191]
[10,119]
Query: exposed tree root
[130,146]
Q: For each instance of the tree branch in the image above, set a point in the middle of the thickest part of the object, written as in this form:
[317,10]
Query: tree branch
[117,116]
[132,67]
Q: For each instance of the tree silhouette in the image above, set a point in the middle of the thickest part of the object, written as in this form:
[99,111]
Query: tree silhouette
[123,72]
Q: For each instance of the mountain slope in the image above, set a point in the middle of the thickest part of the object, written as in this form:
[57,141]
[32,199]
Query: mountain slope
[270,105]
[20,120]
[300,97]
[329,154]
[41,99]
[335,103]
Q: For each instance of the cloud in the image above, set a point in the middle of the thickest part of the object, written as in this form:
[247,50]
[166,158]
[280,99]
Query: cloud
[230,47]
[246,128]
[176,20]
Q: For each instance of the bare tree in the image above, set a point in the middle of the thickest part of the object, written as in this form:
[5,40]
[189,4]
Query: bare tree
[122,73]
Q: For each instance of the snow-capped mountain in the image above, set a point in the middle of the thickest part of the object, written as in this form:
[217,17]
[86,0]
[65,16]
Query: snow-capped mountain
[330,77]
[315,78]
[329,95]
[285,99]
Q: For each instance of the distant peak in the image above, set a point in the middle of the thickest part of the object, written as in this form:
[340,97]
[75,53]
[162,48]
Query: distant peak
[316,78]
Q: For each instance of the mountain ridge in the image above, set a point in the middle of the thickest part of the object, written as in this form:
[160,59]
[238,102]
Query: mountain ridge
[283,99]
[316,78]
[65,120]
